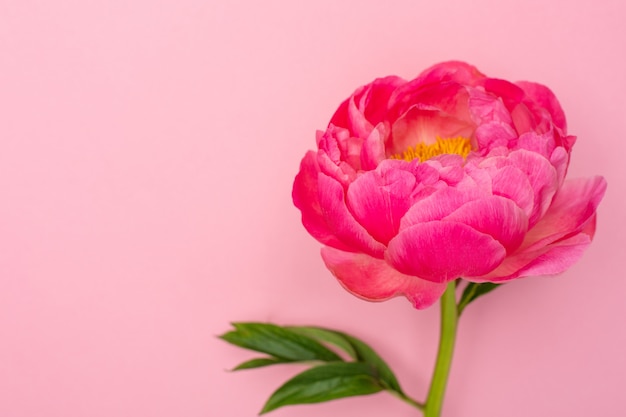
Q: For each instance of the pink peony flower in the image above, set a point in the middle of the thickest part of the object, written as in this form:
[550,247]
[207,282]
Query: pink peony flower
[453,174]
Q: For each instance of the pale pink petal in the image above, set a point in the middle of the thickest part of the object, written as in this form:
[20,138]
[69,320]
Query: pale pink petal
[341,222]
[495,216]
[305,197]
[374,280]
[573,206]
[487,108]
[425,125]
[494,134]
[547,260]
[540,143]
[441,251]
[379,199]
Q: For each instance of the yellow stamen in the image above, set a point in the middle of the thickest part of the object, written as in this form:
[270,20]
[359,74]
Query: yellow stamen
[459,146]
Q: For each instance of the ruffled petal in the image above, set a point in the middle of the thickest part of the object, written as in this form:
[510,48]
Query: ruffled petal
[548,260]
[512,183]
[379,199]
[542,177]
[305,197]
[367,106]
[373,150]
[422,124]
[374,280]
[495,216]
[341,222]
[543,96]
[573,206]
[438,205]
[442,251]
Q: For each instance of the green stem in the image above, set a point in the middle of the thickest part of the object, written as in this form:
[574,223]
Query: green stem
[449,317]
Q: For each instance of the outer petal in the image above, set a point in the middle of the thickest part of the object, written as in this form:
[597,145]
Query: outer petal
[495,216]
[547,260]
[573,206]
[441,251]
[543,96]
[341,222]
[305,197]
[455,71]
[374,280]
[512,183]
[367,106]
[438,205]
[542,177]
[378,201]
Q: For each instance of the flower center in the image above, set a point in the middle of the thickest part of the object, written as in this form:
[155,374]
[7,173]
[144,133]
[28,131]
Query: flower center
[459,146]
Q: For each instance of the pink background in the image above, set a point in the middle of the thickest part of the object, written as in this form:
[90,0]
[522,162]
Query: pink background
[147,152]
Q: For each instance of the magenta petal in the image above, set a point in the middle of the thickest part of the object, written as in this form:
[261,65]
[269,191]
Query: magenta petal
[374,280]
[305,197]
[341,222]
[543,96]
[378,201]
[438,205]
[441,251]
[513,184]
[495,216]
[542,177]
[373,150]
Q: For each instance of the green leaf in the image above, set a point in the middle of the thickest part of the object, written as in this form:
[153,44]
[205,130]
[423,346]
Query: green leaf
[329,336]
[279,342]
[358,350]
[258,363]
[324,383]
[472,292]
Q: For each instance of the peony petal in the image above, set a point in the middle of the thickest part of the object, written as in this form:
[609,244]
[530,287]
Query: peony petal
[493,134]
[341,222]
[367,106]
[305,197]
[495,216]
[374,103]
[573,206]
[438,205]
[374,280]
[379,199]
[512,183]
[424,125]
[543,96]
[547,260]
[451,71]
[441,251]
[542,177]
[373,151]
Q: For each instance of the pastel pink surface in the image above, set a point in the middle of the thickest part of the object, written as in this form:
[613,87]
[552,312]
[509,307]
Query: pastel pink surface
[147,153]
